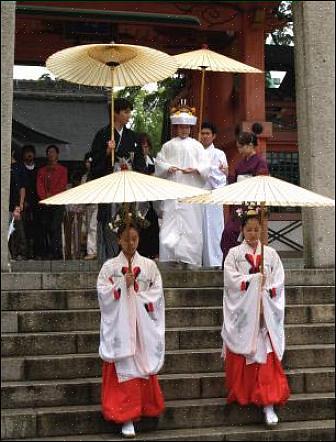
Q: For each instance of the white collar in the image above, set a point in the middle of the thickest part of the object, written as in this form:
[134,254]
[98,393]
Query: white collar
[30,166]
[258,249]
[210,147]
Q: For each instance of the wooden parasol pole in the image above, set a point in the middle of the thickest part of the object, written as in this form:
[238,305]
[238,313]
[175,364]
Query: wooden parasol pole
[128,222]
[262,219]
[112,114]
[260,303]
[201,105]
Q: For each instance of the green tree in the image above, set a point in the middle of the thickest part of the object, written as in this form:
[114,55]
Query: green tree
[151,110]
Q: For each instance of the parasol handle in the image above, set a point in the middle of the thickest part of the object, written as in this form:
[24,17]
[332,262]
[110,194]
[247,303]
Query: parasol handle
[201,105]
[112,114]
[262,218]
[128,221]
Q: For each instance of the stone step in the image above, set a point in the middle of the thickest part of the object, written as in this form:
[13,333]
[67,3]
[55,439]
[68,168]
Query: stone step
[284,431]
[90,266]
[187,297]
[54,393]
[202,413]
[74,366]
[63,320]
[43,343]
[171,278]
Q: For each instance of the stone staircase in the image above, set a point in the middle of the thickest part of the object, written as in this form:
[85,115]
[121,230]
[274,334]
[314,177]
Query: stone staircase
[51,373]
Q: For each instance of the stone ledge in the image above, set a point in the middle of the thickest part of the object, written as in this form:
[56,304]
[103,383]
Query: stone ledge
[171,278]
[285,431]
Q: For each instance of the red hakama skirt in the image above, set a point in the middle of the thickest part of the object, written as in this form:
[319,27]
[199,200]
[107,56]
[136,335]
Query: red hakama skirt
[259,384]
[128,401]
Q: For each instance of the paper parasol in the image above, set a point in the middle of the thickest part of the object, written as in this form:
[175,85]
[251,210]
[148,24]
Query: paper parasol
[206,60]
[111,65]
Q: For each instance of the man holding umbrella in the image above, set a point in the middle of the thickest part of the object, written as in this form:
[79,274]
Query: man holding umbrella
[126,151]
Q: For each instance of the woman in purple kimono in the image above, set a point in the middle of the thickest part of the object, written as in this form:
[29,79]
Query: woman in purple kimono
[252,164]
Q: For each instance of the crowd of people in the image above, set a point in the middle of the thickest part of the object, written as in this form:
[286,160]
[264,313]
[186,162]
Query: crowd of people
[131,299]
[37,231]
[194,235]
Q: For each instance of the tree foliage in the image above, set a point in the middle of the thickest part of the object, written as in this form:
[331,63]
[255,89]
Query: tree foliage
[151,110]
[284,35]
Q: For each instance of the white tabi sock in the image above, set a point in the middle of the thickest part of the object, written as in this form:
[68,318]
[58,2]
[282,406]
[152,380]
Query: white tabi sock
[270,416]
[128,429]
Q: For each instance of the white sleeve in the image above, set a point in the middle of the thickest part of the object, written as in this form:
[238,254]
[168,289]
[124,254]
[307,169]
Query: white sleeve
[162,162]
[233,278]
[216,177]
[109,289]
[155,289]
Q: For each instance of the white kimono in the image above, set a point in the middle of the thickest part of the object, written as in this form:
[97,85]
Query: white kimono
[132,330]
[242,332]
[181,236]
[213,216]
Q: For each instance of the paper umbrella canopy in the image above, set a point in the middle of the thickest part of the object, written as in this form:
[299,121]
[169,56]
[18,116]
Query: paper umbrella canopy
[122,187]
[263,189]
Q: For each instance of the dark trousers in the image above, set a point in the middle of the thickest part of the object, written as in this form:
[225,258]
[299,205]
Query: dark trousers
[107,243]
[72,233]
[17,241]
[51,231]
[149,238]
[32,229]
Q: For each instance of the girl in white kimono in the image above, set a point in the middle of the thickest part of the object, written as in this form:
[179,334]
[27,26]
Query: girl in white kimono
[253,328]
[132,334]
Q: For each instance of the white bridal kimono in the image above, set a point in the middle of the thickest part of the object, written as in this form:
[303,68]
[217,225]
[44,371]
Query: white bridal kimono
[242,333]
[213,216]
[181,236]
[132,330]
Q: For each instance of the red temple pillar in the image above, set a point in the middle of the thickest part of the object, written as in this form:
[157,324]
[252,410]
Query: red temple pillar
[252,86]
[252,90]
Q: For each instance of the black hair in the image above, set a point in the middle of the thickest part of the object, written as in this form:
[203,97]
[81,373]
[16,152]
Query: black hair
[246,218]
[210,126]
[244,138]
[76,176]
[143,136]
[52,146]
[28,148]
[131,225]
[120,104]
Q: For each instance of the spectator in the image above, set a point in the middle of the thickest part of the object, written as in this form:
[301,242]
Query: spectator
[149,237]
[90,215]
[51,180]
[18,184]
[73,222]
[31,214]
[251,164]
